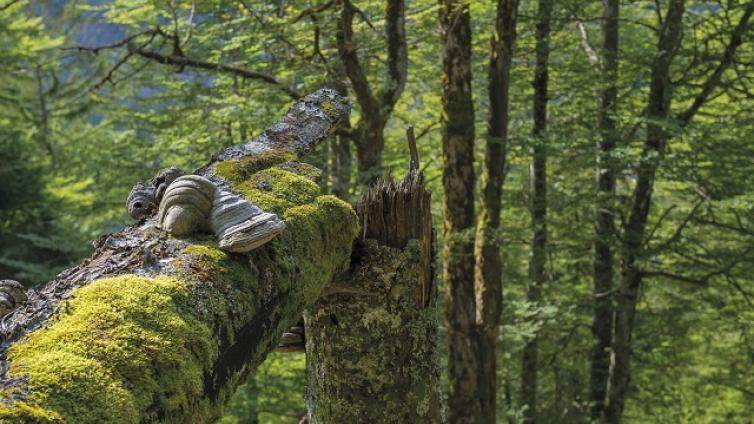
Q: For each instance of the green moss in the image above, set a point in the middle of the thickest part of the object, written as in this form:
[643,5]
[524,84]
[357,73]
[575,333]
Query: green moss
[304,169]
[311,226]
[277,190]
[124,346]
[210,263]
[330,110]
[237,171]
[22,412]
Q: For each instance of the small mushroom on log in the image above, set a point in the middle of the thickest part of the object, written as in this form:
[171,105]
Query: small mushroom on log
[186,205]
[144,198]
[141,201]
[12,295]
[293,340]
[239,225]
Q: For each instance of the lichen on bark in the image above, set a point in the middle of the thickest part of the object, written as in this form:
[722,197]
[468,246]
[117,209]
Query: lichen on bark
[371,352]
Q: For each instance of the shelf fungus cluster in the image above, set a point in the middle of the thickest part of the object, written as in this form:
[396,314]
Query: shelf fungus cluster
[145,197]
[193,204]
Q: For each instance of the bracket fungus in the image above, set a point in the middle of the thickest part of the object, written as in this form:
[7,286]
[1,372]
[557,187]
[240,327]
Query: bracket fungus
[193,204]
[144,198]
[240,226]
[186,205]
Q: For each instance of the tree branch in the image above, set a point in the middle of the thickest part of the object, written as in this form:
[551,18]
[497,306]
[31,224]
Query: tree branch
[736,39]
[177,58]
[397,57]
[350,58]
[183,61]
[594,58]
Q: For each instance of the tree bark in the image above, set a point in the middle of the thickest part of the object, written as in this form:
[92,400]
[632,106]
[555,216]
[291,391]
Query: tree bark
[538,258]
[658,112]
[488,267]
[372,339]
[155,327]
[604,226]
[376,107]
[458,203]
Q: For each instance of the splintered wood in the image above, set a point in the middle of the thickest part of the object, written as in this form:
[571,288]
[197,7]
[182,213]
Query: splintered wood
[394,213]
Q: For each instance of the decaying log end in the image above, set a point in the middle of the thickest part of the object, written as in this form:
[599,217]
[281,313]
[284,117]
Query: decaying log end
[155,327]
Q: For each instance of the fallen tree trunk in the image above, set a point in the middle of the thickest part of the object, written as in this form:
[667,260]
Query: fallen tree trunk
[158,328]
[371,340]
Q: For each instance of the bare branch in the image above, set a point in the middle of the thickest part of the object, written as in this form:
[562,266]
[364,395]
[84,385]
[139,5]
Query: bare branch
[183,61]
[176,58]
[313,11]
[736,39]
[594,58]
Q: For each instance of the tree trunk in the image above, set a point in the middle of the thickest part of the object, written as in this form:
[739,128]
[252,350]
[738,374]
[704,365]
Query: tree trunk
[371,341]
[158,327]
[341,167]
[604,227]
[370,142]
[341,144]
[658,112]
[489,272]
[376,108]
[538,177]
[458,202]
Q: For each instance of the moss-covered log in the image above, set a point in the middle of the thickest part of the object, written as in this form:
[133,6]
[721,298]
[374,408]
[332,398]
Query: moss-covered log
[371,341]
[156,328]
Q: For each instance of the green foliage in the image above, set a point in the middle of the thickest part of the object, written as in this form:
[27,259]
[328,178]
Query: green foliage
[65,177]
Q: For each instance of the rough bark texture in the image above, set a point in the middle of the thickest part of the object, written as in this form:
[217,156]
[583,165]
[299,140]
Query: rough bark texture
[376,108]
[155,328]
[538,255]
[604,226]
[356,371]
[458,203]
[489,267]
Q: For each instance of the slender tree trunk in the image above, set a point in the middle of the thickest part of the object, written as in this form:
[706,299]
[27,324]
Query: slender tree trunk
[341,166]
[488,270]
[159,327]
[604,227]
[458,205]
[537,260]
[370,142]
[658,111]
[341,144]
[372,339]
[376,107]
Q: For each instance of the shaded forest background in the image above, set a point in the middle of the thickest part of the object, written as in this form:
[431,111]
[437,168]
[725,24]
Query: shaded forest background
[97,95]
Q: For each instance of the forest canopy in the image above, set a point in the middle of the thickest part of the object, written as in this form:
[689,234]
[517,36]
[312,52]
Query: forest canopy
[590,165]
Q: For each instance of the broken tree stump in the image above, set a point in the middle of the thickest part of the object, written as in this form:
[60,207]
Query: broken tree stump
[371,340]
